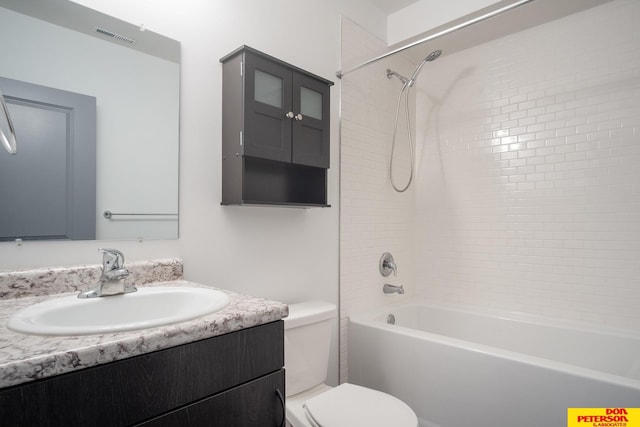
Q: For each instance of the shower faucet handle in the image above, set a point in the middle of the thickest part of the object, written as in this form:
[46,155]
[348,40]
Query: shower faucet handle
[387,265]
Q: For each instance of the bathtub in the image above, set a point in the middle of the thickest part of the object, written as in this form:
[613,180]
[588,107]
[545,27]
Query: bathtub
[460,367]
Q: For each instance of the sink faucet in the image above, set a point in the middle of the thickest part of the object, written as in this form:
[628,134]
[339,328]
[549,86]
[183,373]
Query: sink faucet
[111,280]
[392,289]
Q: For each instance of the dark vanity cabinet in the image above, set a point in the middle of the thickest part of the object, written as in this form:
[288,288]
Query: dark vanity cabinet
[236,379]
[275,132]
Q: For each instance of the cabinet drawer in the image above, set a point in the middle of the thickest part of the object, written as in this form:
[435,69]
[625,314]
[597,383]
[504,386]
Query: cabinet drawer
[255,404]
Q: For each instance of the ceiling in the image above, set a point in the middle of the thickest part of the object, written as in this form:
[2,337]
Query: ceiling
[391,6]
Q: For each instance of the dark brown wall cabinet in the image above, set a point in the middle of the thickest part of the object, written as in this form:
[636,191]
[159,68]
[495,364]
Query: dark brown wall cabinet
[275,132]
[235,379]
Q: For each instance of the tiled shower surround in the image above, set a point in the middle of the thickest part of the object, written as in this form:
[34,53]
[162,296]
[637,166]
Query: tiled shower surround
[527,196]
[373,218]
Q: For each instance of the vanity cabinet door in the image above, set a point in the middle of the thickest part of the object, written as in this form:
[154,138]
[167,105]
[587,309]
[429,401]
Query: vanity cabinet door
[255,404]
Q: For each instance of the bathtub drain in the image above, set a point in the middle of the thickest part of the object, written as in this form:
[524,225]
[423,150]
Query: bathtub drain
[391,319]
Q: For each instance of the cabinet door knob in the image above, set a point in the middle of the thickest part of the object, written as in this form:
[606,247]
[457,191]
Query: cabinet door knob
[289,115]
[299,117]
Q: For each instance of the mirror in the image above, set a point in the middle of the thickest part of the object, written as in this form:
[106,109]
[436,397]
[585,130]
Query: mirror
[66,68]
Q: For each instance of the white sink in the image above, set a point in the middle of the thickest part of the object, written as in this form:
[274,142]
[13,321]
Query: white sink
[147,308]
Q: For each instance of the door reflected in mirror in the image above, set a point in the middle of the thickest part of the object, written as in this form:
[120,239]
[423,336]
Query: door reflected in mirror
[133,77]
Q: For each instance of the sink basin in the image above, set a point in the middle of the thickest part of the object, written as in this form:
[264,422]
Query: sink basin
[147,308]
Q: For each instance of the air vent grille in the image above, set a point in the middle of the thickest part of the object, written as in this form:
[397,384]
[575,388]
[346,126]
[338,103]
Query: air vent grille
[116,36]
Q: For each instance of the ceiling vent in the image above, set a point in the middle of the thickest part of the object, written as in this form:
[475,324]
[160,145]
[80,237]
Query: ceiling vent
[119,37]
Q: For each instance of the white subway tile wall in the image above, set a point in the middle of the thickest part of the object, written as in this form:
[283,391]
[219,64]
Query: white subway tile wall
[528,189]
[373,218]
[528,197]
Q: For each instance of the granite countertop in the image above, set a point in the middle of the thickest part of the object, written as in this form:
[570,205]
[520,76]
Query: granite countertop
[25,358]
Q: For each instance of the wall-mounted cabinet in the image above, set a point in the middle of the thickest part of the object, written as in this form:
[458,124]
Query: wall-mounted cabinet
[275,132]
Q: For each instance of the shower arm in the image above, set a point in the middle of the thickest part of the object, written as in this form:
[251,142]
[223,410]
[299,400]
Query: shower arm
[491,14]
[400,77]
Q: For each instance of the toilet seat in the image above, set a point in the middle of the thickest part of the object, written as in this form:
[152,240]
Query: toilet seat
[350,405]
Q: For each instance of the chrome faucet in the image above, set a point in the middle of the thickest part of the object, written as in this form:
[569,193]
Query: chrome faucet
[387,265]
[392,289]
[111,280]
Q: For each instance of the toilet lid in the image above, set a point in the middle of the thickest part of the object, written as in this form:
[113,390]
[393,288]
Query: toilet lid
[350,405]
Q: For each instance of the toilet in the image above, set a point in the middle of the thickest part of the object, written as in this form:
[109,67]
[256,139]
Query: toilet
[310,402]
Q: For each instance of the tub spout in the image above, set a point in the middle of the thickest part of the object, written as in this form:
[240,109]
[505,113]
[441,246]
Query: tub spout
[392,289]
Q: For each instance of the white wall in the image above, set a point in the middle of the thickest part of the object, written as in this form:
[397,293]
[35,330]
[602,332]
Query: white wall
[284,254]
[528,197]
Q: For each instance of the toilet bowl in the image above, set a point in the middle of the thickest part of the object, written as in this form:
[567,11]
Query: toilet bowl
[310,402]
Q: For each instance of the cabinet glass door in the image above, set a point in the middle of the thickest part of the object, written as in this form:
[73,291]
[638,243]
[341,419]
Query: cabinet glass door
[310,103]
[311,126]
[268,89]
[267,129]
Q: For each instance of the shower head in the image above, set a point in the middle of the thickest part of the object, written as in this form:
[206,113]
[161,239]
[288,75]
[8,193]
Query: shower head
[408,82]
[431,57]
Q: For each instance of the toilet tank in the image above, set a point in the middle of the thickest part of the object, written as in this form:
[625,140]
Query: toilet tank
[307,339]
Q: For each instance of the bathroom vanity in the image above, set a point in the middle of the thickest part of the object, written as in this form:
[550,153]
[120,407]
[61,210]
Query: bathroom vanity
[230,380]
[223,369]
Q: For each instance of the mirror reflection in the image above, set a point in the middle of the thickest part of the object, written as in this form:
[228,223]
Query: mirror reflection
[95,106]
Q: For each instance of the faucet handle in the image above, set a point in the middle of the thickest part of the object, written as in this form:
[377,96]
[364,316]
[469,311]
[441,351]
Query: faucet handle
[112,259]
[387,265]
[111,280]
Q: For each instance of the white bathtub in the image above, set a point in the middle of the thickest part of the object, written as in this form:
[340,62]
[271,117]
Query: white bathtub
[457,367]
